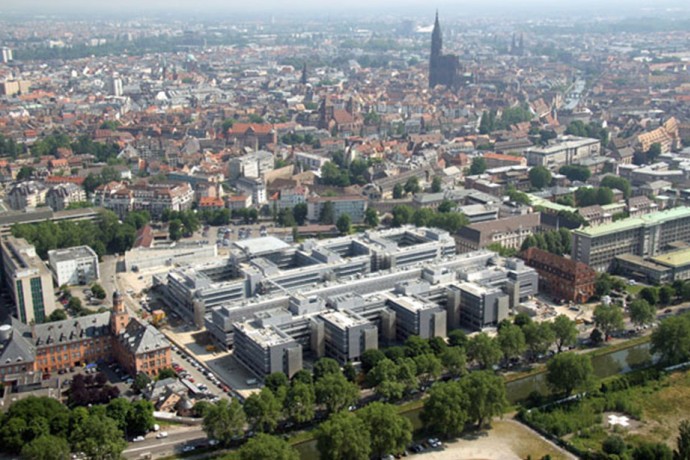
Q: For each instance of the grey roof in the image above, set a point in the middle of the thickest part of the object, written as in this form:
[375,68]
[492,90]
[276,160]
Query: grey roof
[142,338]
[76,252]
[72,330]
[18,349]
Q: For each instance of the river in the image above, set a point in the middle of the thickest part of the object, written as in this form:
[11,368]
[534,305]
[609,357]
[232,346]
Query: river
[605,365]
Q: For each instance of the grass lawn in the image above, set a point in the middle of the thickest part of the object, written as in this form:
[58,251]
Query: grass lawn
[634,290]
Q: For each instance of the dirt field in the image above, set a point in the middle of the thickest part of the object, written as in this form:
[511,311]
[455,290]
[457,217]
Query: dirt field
[507,440]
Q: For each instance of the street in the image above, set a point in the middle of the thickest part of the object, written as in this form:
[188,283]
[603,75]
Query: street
[172,444]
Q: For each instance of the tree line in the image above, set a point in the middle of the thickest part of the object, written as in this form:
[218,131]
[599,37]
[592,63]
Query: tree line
[106,235]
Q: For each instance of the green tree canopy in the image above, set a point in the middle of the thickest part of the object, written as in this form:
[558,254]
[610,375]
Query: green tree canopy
[46,447]
[486,396]
[263,446]
[539,177]
[300,401]
[445,410]
[671,339]
[344,224]
[484,350]
[344,436]
[511,341]
[608,318]
[263,410]
[568,371]
[641,312]
[478,166]
[224,421]
[335,392]
[389,431]
[565,331]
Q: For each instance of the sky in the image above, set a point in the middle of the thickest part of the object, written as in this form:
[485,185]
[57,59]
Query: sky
[353,7]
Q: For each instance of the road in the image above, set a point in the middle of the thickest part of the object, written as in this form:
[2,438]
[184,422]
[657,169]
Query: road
[167,446]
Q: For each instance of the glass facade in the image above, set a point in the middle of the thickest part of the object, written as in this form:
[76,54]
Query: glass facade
[37,299]
[20,301]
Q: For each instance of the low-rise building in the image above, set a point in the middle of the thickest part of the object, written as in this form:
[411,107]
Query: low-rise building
[565,150]
[348,335]
[28,194]
[72,266]
[354,206]
[509,232]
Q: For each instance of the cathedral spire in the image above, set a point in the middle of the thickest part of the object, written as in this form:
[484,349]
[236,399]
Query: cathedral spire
[436,39]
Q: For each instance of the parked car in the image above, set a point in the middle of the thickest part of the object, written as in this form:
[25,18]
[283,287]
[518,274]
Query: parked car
[162,434]
[138,439]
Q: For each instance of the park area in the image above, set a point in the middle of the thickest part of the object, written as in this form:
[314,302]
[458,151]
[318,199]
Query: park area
[651,405]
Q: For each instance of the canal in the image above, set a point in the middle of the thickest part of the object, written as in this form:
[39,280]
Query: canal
[605,365]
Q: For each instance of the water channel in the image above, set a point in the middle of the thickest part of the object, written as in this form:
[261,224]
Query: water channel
[605,365]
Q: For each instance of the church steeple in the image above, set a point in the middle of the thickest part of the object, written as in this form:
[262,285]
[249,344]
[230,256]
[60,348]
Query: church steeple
[119,318]
[436,39]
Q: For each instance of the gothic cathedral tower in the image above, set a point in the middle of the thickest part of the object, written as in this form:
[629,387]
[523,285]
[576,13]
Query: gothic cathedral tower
[436,49]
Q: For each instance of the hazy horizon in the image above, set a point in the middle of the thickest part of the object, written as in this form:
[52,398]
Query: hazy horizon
[311,8]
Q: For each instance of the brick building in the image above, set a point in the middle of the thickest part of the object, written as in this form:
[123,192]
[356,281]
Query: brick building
[75,342]
[562,278]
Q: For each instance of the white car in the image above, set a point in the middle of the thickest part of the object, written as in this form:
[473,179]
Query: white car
[138,439]
[162,434]
[188,448]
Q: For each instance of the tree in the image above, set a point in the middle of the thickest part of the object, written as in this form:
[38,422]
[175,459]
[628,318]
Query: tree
[484,350]
[350,372]
[166,373]
[538,337]
[457,338]
[653,152]
[57,315]
[445,410]
[175,229]
[613,445]
[224,421]
[428,368]
[303,376]
[371,217]
[398,191]
[539,177]
[141,381]
[412,185]
[299,403]
[46,447]
[389,431]
[486,396]
[511,340]
[608,318]
[672,340]
[436,184]
[666,294]
[140,418]
[402,215]
[478,166]
[335,392]
[118,409]
[565,331]
[652,451]
[99,438]
[327,215]
[568,371]
[618,183]
[650,294]
[344,436]
[263,446]
[344,224]
[641,312]
[602,285]
[25,173]
[370,358]
[682,451]
[276,381]
[299,212]
[575,172]
[416,346]
[455,361]
[325,366]
[263,410]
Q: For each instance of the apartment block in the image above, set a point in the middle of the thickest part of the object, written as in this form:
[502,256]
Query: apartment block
[566,150]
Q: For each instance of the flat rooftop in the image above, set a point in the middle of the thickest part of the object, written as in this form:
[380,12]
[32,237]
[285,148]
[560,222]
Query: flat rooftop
[343,319]
[263,336]
[77,252]
[262,245]
[635,222]
[678,258]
